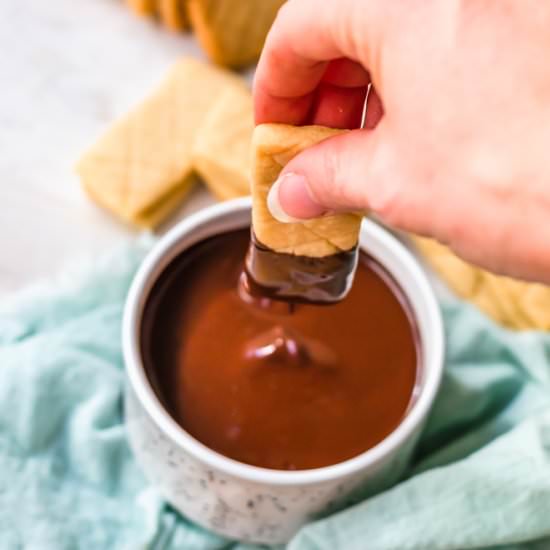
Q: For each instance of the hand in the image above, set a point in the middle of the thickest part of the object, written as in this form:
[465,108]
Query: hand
[457,141]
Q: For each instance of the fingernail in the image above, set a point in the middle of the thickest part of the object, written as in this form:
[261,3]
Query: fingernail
[292,190]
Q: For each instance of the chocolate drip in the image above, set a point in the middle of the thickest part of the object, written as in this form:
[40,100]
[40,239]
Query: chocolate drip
[273,383]
[298,279]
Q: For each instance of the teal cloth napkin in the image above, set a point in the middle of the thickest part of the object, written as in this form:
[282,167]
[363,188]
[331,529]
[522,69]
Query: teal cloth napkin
[480,477]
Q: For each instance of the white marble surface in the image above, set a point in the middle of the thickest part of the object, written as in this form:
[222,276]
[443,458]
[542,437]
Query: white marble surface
[67,69]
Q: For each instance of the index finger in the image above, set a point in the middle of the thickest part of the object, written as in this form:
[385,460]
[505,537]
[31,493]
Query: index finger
[297,52]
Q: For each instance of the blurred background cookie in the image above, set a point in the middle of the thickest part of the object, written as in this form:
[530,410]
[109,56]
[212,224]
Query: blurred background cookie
[141,168]
[173,14]
[142,7]
[221,152]
[512,303]
[231,32]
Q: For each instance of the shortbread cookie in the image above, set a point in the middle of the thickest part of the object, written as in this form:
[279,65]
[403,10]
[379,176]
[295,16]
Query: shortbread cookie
[221,155]
[173,14]
[233,32]
[147,155]
[515,304]
[161,211]
[273,146]
[142,7]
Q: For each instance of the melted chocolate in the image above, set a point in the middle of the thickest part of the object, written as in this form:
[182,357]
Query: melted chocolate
[274,384]
[298,279]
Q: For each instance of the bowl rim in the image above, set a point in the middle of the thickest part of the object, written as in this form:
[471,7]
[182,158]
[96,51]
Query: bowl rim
[145,278]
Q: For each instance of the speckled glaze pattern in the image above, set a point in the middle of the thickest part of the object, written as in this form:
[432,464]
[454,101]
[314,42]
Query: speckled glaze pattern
[237,508]
[244,502]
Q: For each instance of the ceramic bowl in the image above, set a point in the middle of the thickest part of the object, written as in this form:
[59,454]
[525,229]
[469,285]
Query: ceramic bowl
[238,500]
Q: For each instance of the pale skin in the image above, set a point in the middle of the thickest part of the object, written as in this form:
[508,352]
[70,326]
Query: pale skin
[457,141]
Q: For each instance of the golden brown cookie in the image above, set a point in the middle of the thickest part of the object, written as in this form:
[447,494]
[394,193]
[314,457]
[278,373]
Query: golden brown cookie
[515,304]
[273,146]
[145,159]
[463,278]
[233,32]
[159,212]
[221,154]
[142,7]
[173,14]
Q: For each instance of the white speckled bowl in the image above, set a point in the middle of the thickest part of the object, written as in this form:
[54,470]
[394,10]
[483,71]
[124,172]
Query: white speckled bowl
[242,501]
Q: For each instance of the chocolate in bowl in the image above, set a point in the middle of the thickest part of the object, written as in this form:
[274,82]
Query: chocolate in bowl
[287,386]
[236,499]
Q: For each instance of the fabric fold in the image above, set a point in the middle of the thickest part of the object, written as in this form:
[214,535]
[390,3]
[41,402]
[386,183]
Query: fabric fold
[480,477]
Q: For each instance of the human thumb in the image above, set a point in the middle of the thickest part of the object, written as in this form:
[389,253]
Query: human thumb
[348,172]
